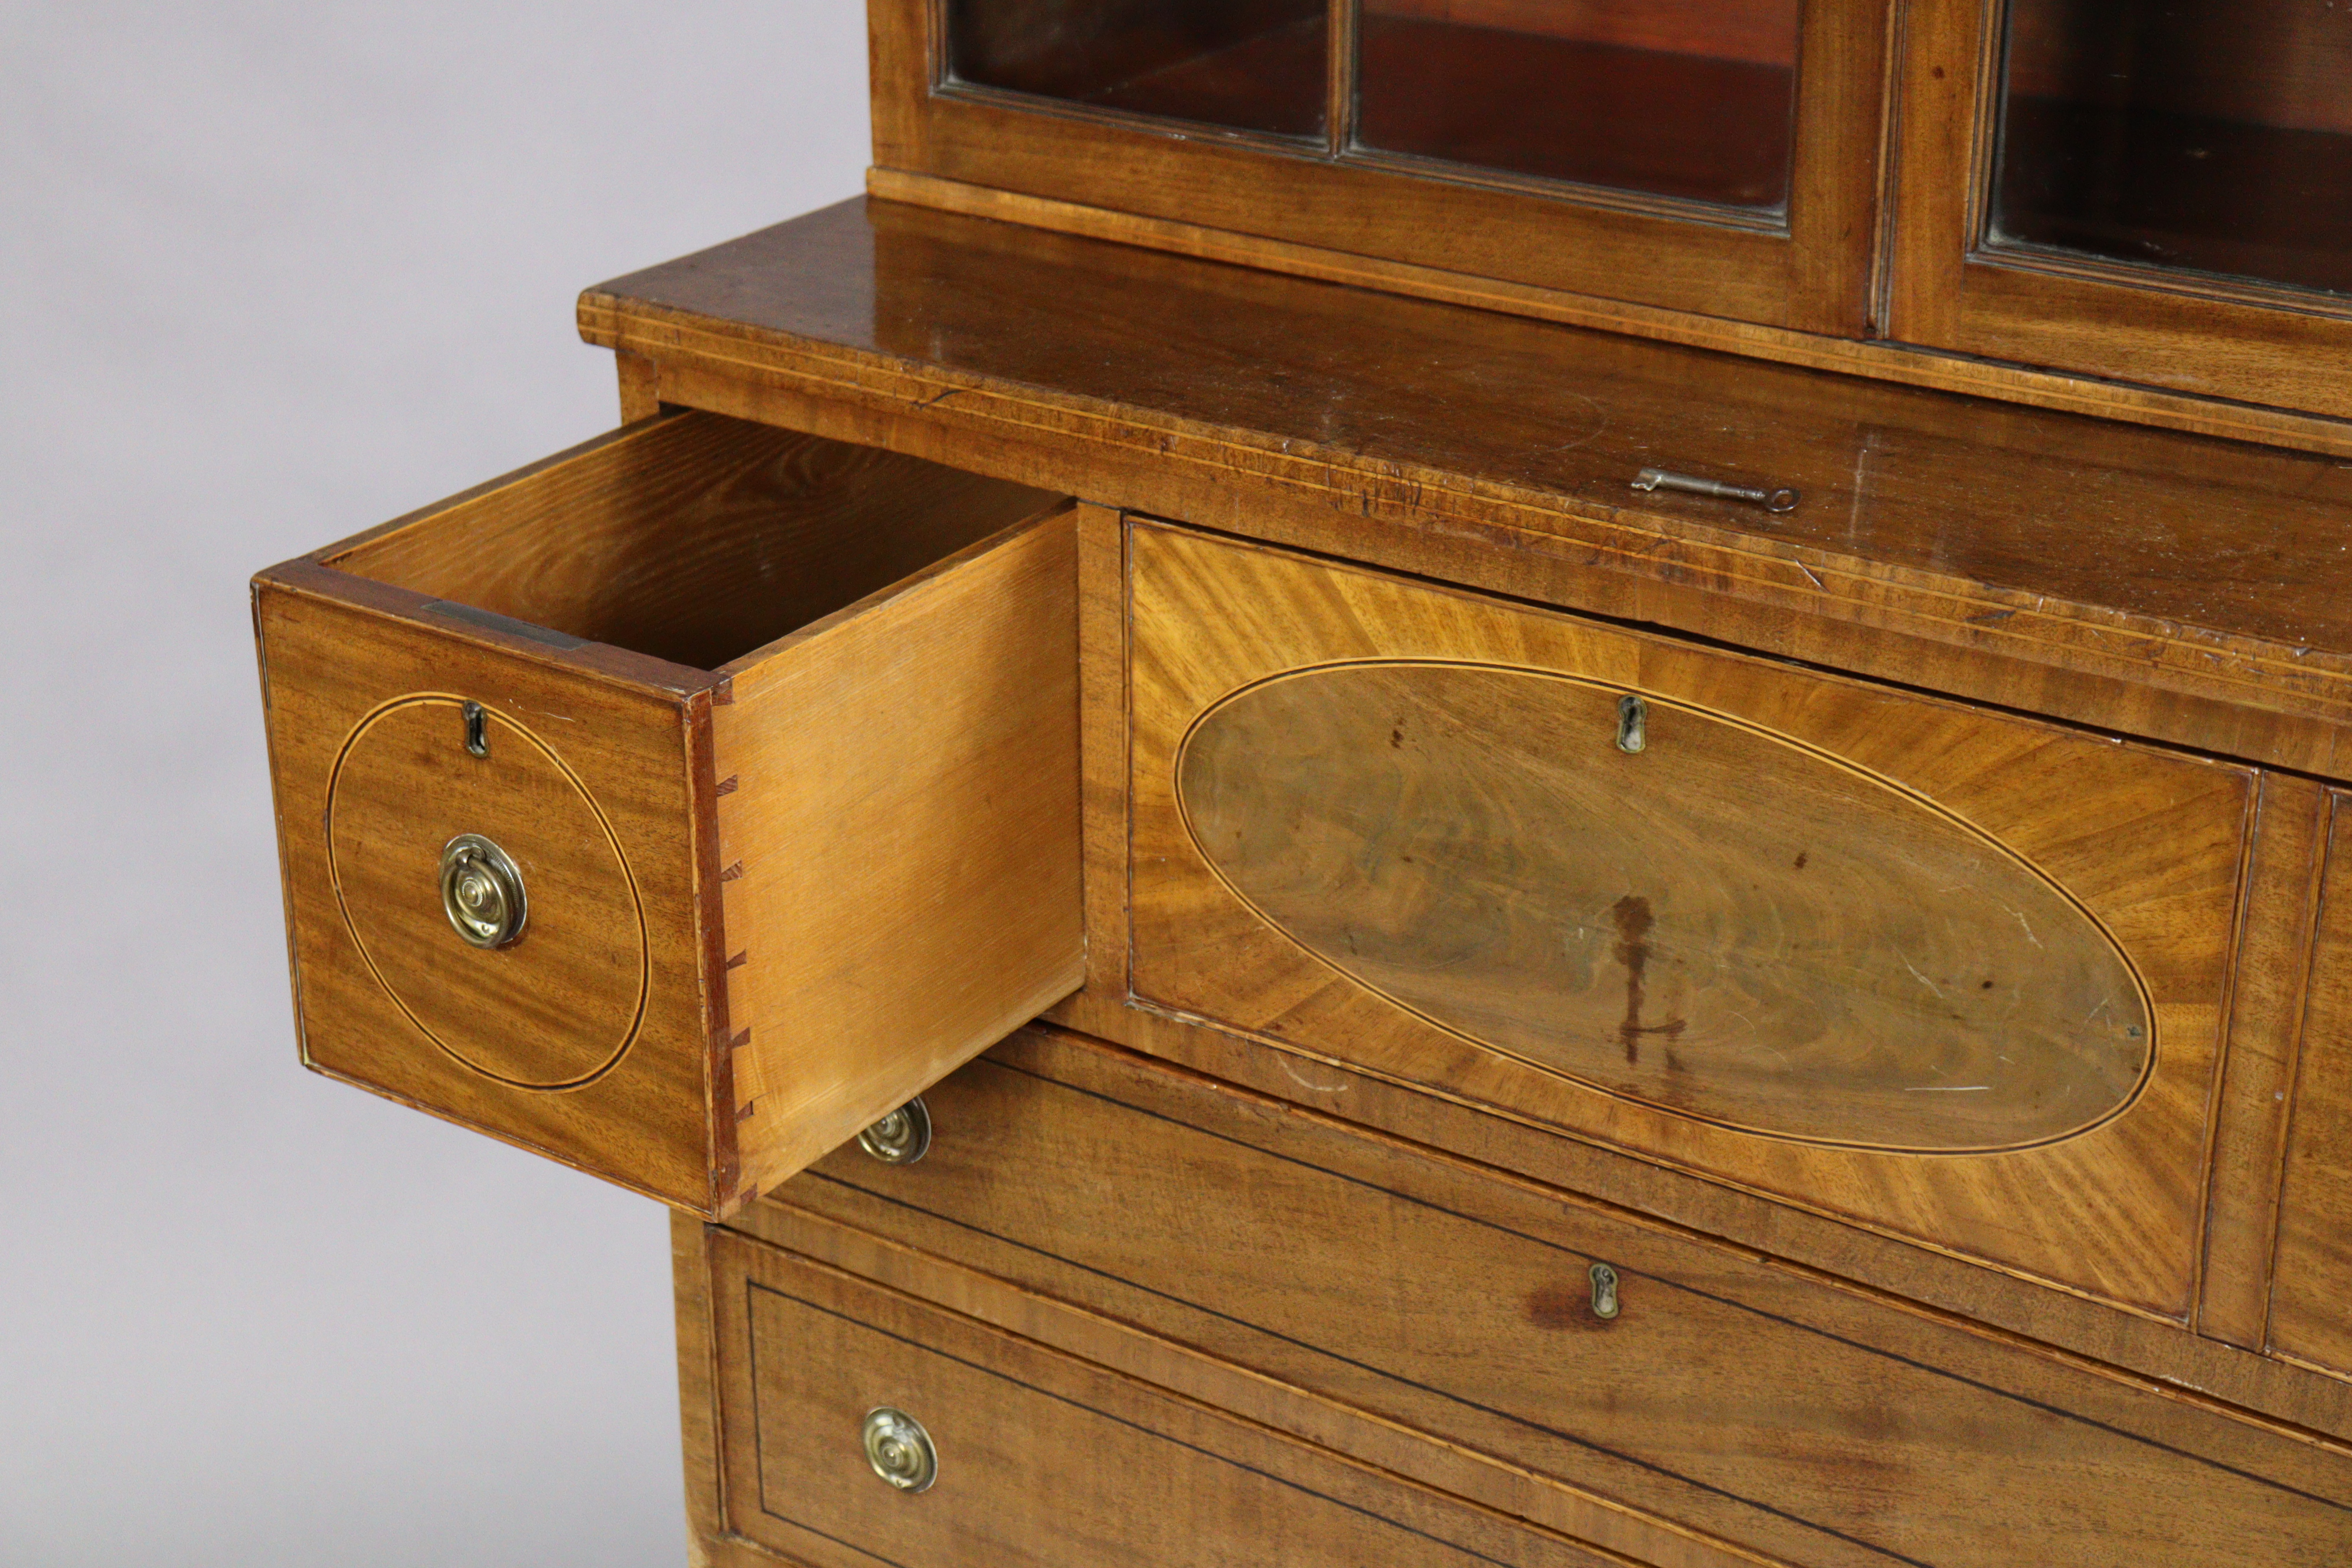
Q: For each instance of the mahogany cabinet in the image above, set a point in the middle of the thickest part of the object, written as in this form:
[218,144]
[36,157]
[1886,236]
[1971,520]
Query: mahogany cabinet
[1430,780]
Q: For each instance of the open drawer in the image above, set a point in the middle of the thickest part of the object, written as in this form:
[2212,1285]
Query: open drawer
[681,805]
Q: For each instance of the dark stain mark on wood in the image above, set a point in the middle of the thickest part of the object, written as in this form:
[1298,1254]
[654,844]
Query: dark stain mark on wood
[1803,856]
[739,960]
[725,786]
[1562,1305]
[1633,923]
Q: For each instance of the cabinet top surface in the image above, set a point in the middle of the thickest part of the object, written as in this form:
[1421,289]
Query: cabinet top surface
[2240,554]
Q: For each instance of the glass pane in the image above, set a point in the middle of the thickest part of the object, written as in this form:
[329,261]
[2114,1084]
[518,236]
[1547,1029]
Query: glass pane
[1256,65]
[2216,138]
[1679,98]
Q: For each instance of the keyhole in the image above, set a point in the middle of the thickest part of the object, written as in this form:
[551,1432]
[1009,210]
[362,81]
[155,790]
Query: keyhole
[477,730]
[1633,723]
[1604,1291]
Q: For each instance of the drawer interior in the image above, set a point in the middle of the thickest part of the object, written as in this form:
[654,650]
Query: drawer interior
[697,540]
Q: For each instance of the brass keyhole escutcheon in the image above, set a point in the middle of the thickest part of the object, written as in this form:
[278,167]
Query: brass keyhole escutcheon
[1604,1291]
[481,891]
[900,1450]
[902,1137]
[1633,723]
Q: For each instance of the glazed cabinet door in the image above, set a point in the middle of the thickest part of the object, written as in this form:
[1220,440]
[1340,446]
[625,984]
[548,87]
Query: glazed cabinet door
[1944,973]
[2147,191]
[1718,156]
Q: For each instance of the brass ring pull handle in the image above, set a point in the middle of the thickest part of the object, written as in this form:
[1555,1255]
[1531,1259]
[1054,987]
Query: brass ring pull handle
[900,1450]
[902,1137]
[481,891]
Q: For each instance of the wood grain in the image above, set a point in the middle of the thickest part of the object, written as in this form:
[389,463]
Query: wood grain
[1102,744]
[1719,922]
[2058,565]
[900,840]
[1746,1402]
[2309,1318]
[2148,844]
[562,1004]
[1184,1368]
[1137,1477]
[1878,357]
[698,1396]
[696,541]
[330,658]
[640,387]
[2267,992]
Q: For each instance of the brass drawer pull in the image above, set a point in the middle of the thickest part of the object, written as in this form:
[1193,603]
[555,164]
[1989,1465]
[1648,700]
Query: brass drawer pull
[902,1137]
[481,891]
[1691,484]
[900,1450]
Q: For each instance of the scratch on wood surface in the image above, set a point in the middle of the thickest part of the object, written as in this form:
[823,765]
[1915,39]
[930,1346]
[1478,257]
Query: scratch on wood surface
[1308,1083]
[1916,975]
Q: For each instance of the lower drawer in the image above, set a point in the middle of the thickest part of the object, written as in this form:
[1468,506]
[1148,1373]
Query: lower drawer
[850,1424]
[1762,1407]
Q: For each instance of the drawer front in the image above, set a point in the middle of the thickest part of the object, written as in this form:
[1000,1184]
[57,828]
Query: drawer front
[1750,1404]
[578,778]
[1948,973]
[1033,1457]
[2311,1296]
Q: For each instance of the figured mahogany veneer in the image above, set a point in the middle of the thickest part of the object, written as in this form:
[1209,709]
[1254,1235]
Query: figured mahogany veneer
[1664,903]
[1945,972]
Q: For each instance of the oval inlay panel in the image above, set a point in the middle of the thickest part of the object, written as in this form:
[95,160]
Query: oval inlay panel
[1726,924]
[560,1006]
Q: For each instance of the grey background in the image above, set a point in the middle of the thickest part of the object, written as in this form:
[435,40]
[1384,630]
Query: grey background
[271,273]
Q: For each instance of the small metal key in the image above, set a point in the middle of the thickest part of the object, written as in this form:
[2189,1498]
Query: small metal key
[1770,500]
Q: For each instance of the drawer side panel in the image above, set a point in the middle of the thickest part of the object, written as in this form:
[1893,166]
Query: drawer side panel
[897,810]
